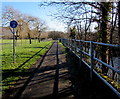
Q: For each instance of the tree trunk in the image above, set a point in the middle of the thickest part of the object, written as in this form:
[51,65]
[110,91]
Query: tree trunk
[104,21]
[39,37]
[39,40]
[110,58]
[29,38]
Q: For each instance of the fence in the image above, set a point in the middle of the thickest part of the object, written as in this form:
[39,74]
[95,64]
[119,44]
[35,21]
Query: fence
[100,58]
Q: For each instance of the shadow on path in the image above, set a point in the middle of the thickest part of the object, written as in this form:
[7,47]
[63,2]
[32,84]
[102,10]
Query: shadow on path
[49,80]
[16,72]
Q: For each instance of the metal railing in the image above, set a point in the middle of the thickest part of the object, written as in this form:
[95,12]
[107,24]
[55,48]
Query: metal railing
[89,53]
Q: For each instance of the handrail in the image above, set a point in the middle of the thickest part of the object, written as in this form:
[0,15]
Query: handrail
[71,43]
[111,45]
[99,43]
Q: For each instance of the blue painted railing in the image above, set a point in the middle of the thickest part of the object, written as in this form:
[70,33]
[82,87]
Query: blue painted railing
[87,52]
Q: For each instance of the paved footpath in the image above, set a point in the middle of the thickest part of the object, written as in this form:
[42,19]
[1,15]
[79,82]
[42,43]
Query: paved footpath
[50,80]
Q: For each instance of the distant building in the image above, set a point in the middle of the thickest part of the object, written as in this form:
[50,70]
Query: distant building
[6,33]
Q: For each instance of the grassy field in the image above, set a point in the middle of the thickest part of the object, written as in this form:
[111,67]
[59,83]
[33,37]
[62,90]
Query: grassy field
[26,55]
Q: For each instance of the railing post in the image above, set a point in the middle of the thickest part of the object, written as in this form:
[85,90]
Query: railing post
[62,41]
[69,43]
[81,48]
[65,42]
[75,49]
[91,60]
[72,43]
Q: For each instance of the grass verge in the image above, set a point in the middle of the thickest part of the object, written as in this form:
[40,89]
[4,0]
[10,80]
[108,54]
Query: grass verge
[26,55]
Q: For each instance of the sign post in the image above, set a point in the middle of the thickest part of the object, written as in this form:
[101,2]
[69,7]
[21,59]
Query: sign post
[13,25]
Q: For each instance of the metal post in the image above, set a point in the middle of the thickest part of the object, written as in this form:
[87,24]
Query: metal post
[62,41]
[13,24]
[70,43]
[81,48]
[91,60]
[14,52]
[75,46]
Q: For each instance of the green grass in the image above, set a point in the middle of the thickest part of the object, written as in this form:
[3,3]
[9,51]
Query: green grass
[24,52]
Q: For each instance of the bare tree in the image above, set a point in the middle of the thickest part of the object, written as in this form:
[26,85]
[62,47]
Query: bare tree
[39,27]
[10,14]
[26,23]
[74,13]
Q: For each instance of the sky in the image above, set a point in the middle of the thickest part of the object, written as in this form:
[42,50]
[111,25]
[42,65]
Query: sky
[33,9]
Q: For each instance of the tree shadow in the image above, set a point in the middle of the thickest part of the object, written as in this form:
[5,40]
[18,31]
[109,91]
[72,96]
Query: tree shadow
[15,72]
[46,74]
[34,47]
